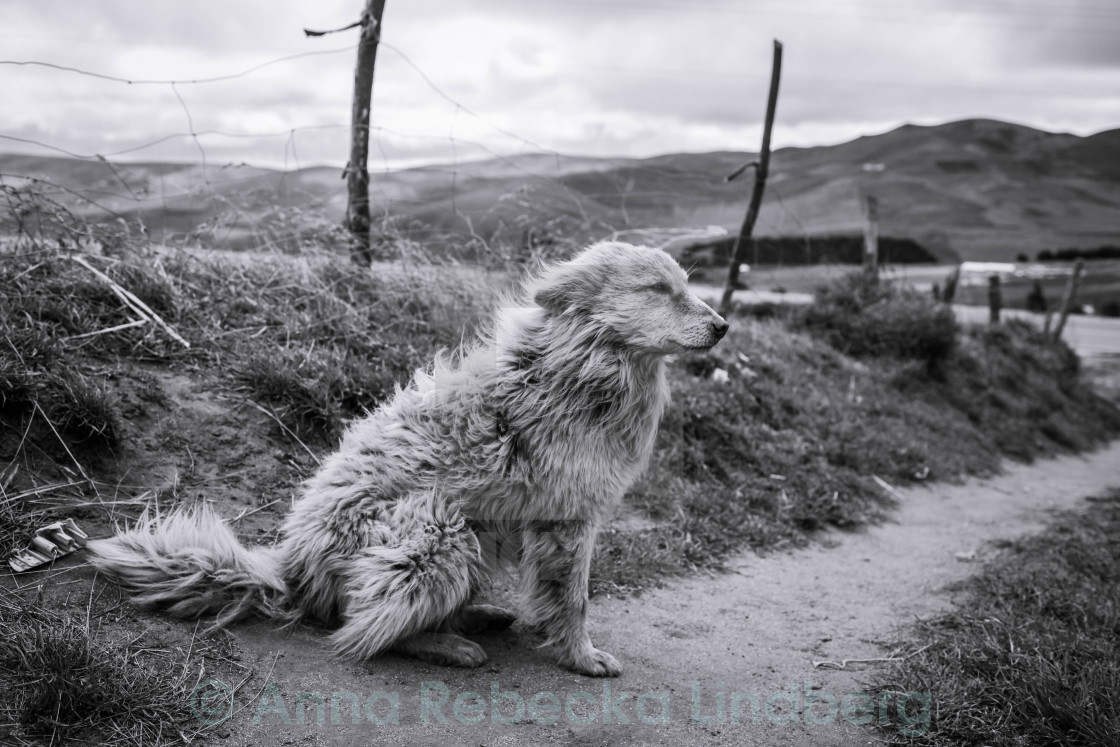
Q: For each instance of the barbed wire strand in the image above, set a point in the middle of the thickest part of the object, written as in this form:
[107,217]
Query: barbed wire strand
[175,81]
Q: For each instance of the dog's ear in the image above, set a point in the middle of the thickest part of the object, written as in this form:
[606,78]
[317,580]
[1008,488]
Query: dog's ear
[570,285]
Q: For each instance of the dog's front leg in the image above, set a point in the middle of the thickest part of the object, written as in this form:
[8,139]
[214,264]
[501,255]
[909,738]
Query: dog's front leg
[556,563]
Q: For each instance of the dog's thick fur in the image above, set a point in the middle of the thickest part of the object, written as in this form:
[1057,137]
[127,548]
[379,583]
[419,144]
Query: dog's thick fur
[515,449]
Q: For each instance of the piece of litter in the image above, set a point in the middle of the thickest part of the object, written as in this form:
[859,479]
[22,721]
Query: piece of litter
[50,542]
[973,556]
[719,376]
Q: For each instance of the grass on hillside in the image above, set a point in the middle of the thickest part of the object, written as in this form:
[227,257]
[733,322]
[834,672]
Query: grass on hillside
[1032,655]
[311,340]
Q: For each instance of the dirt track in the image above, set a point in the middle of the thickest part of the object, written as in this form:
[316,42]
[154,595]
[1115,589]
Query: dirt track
[687,648]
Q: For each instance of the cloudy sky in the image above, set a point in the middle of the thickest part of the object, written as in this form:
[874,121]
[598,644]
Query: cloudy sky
[461,80]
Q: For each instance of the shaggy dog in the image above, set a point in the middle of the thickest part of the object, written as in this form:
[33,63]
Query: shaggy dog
[512,451]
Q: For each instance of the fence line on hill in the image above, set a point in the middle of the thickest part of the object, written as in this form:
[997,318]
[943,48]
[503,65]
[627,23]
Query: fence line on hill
[117,198]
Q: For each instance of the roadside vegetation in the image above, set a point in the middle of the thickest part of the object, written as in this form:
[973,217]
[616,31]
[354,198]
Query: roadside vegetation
[796,422]
[71,681]
[1031,655]
[822,411]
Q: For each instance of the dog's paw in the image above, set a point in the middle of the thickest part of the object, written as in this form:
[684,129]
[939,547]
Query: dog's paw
[465,654]
[482,618]
[446,649]
[594,663]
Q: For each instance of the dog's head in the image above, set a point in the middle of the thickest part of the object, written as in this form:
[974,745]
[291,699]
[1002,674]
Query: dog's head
[638,295]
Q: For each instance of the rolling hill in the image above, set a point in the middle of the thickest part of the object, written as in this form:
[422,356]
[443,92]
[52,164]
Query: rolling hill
[979,189]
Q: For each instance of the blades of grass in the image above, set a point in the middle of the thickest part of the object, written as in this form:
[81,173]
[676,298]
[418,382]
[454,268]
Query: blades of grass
[107,330]
[69,453]
[285,428]
[132,301]
[843,663]
[247,512]
[31,492]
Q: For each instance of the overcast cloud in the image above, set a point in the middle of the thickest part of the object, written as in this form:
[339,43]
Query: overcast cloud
[463,80]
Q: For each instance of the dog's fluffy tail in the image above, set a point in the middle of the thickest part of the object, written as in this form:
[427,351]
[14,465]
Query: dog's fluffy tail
[190,564]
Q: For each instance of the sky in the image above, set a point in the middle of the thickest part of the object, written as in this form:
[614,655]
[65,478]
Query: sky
[458,81]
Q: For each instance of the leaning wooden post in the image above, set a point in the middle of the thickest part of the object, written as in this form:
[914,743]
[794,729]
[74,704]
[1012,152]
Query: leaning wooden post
[357,172]
[1068,298]
[995,299]
[762,168]
[949,292]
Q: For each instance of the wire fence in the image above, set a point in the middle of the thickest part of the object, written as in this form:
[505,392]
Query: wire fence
[239,205]
[531,195]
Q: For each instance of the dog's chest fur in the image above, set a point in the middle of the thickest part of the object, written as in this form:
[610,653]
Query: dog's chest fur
[556,439]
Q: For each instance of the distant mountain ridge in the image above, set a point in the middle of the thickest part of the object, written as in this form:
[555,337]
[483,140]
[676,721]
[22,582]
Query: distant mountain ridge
[981,189]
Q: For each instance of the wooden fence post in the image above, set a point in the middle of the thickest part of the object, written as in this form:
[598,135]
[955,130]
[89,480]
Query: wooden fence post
[1068,299]
[995,299]
[871,238]
[762,168]
[949,292]
[357,171]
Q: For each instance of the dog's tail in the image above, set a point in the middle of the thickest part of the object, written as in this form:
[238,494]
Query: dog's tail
[190,564]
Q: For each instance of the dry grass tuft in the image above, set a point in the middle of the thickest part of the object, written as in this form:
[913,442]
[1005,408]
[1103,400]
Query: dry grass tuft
[68,683]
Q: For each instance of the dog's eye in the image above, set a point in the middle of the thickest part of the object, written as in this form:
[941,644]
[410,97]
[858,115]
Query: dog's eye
[661,287]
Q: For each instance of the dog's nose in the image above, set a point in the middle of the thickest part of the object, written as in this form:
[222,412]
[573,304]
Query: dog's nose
[720,328]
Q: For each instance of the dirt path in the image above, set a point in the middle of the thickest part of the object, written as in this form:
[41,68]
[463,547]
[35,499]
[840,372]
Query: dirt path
[689,647]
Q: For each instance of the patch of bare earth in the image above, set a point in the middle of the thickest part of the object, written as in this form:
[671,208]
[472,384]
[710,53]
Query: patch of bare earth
[190,439]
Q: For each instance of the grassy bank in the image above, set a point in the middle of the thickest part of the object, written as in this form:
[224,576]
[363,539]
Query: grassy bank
[779,431]
[1030,657]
